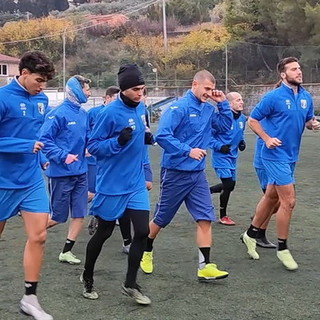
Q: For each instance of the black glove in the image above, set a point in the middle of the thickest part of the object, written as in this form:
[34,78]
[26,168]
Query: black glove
[225,149]
[148,138]
[242,145]
[124,136]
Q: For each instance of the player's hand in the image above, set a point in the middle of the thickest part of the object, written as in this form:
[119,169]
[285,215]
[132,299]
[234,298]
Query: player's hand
[197,153]
[124,136]
[45,165]
[71,158]
[148,185]
[242,145]
[87,153]
[273,143]
[225,149]
[37,146]
[217,96]
[315,124]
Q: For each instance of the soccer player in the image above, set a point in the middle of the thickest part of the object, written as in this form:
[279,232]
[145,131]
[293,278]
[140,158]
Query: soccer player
[22,106]
[225,146]
[64,135]
[117,142]
[286,111]
[184,133]
[111,95]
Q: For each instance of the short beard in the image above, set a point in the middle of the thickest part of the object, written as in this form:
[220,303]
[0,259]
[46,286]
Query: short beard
[293,82]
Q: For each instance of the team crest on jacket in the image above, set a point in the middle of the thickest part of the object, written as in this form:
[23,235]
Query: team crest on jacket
[241,125]
[303,103]
[41,107]
[132,124]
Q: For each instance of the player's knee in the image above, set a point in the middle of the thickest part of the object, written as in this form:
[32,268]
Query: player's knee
[229,185]
[288,204]
[38,237]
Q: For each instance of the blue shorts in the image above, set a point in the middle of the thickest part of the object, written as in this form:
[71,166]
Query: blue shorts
[279,173]
[92,174]
[147,172]
[31,199]
[225,173]
[262,177]
[110,208]
[68,194]
[188,186]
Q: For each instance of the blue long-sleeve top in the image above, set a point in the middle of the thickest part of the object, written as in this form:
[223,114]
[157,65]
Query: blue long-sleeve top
[285,115]
[119,168]
[64,132]
[21,116]
[187,124]
[92,116]
[231,137]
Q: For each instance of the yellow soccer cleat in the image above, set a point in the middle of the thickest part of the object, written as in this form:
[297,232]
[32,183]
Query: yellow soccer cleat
[210,272]
[251,245]
[287,260]
[146,263]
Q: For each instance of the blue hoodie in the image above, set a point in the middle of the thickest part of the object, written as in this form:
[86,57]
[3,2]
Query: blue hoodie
[120,168]
[64,132]
[231,137]
[285,114]
[21,116]
[187,124]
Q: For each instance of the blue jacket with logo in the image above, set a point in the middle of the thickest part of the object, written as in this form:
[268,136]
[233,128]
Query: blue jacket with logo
[119,168]
[187,124]
[21,116]
[232,137]
[285,114]
[65,131]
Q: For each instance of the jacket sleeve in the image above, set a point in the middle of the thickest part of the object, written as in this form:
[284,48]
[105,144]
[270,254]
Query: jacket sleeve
[48,133]
[222,120]
[165,133]
[102,143]
[16,145]
[215,144]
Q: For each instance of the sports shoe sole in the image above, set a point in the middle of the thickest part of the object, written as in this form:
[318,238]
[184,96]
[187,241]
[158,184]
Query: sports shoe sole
[212,279]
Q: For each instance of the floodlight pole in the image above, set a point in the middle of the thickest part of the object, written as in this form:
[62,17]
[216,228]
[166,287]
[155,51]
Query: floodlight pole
[164,18]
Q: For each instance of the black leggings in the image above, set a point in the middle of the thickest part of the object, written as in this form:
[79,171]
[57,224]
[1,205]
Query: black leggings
[140,222]
[224,188]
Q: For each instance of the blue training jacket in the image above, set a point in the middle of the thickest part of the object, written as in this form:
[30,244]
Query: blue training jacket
[21,116]
[285,115]
[187,124]
[119,168]
[232,137]
[65,131]
[92,116]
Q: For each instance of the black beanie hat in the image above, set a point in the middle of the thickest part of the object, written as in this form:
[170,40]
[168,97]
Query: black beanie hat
[129,76]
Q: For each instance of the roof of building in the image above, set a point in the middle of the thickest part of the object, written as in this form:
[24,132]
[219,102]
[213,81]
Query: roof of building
[4,58]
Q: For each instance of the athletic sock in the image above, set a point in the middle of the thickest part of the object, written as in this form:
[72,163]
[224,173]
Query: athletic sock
[252,232]
[149,246]
[261,233]
[68,245]
[282,244]
[31,287]
[126,242]
[204,257]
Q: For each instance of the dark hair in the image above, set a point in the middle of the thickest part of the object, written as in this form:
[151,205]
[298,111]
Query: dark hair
[37,62]
[281,66]
[112,90]
[82,80]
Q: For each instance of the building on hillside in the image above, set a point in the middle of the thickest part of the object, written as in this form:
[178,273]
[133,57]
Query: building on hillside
[9,67]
